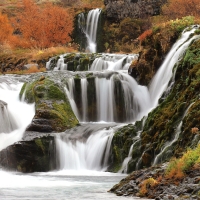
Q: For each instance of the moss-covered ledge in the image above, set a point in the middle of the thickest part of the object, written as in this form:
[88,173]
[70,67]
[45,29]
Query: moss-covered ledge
[52,108]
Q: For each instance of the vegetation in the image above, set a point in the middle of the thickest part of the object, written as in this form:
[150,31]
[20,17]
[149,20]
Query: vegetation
[178,168]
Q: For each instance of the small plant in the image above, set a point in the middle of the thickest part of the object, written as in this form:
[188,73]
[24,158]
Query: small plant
[144,35]
[147,183]
[178,167]
[180,24]
[194,130]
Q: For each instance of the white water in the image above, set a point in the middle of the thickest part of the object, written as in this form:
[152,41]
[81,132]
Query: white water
[84,85]
[59,186]
[90,28]
[19,114]
[113,62]
[135,97]
[80,153]
[85,148]
[160,83]
[167,146]
[161,80]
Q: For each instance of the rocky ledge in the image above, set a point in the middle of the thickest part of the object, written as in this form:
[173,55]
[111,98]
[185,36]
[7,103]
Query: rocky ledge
[151,183]
[120,9]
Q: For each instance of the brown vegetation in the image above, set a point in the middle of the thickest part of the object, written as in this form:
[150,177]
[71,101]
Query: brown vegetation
[180,8]
[42,27]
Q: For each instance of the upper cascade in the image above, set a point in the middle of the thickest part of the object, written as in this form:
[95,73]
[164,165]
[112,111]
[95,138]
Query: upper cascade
[89,27]
[91,62]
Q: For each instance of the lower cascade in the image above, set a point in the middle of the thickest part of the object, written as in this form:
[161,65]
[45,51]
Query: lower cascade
[104,99]
[15,115]
[85,148]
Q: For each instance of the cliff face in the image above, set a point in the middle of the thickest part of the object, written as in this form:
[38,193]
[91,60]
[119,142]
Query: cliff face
[119,9]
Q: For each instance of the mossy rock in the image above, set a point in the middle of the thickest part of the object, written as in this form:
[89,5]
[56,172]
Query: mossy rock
[36,155]
[53,110]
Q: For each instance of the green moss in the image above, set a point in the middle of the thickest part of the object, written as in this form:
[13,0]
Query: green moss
[39,143]
[22,91]
[51,103]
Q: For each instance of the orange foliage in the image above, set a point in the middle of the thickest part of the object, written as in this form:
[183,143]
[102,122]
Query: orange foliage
[194,130]
[144,35]
[5,28]
[44,27]
[181,8]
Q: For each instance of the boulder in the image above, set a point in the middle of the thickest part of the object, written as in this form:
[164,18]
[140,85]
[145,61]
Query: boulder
[36,155]
[53,110]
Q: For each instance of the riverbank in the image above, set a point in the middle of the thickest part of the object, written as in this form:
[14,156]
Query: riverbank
[151,183]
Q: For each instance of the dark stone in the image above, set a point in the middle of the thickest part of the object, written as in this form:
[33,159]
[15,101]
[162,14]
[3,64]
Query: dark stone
[36,155]
[120,9]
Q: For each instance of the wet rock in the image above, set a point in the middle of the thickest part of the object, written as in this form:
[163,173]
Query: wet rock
[35,155]
[165,189]
[53,110]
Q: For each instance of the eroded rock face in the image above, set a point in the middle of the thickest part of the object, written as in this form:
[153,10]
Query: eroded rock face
[36,155]
[53,110]
[119,9]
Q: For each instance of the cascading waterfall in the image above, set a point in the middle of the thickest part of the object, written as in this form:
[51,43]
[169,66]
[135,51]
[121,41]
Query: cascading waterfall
[90,28]
[84,85]
[169,144]
[113,62]
[15,115]
[85,148]
[113,88]
[115,93]
[161,80]
[8,124]
[160,83]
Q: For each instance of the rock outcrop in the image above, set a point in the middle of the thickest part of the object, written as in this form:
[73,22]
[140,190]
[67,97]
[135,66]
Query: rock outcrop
[150,183]
[36,155]
[120,9]
[53,110]
[178,109]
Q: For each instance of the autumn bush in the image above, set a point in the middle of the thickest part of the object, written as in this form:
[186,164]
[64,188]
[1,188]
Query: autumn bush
[178,167]
[147,183]
[6,29]
[42,26]
[180,8]
[144,35]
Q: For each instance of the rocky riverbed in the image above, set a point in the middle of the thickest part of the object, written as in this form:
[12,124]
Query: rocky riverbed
[152,183]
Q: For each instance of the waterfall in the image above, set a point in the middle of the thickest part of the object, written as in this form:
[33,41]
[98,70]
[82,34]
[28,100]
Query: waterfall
[117,98]
[166,147]
[113,62]
[160,84]
[85,148]
[91,28]
[99,62]
[161,80]
[84,85]
[15,115]
[8,123]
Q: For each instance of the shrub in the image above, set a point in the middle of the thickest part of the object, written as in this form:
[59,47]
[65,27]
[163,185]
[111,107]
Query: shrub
[180,8]
[144,35]
[147,183]
[180,24]
[43,27]
[178,167]
[6,29]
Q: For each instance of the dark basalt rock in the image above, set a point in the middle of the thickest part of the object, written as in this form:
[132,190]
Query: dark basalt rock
[120,9]
[188,188]
[35,155]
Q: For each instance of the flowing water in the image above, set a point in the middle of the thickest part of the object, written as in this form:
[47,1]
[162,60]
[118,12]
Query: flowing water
[63,185]
[89,27]
[83,152]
